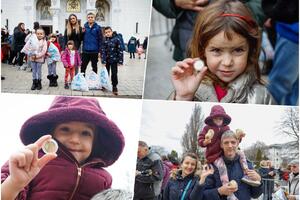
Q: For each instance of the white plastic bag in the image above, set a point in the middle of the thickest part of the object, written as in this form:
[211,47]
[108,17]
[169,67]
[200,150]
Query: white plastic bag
[104,79]
[31,46]
[93,81]
[279,195]
[79,83]
[54,53]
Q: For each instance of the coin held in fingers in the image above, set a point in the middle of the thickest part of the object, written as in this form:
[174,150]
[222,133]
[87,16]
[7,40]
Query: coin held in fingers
[198,65]
[50,146]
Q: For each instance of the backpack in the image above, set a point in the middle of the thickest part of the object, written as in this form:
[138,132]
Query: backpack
[153,156]
[120,37]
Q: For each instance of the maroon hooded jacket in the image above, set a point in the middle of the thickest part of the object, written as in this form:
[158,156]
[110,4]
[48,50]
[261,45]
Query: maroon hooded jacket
[213,150]
[64,178]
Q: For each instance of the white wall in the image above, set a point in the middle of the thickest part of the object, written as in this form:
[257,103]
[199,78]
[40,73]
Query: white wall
[124,15]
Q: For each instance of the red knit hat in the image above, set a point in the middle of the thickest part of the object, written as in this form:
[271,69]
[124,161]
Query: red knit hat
[110,140]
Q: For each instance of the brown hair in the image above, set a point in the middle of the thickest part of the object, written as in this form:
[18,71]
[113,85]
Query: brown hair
[211,22]
[174,172]
[70,26]
[72,43]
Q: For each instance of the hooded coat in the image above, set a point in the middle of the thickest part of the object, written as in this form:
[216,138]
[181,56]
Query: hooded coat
[176,186]
[64,178]
[213,150]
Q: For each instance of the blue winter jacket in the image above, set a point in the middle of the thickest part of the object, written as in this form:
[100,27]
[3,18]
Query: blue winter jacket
[111,51]
[175,188]
[92,38]
[235,172]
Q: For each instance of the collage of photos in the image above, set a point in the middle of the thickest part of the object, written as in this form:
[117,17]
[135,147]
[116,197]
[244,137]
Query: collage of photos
[149,100]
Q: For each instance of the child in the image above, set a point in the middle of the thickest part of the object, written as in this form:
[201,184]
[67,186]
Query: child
[38,59]
[140,50]
[210,137]
[71,61]
[112,56]
[87,140]
[227,39]
[52,76]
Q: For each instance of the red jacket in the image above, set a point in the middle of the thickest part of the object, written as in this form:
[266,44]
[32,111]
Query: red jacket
[62,178]
[213,150]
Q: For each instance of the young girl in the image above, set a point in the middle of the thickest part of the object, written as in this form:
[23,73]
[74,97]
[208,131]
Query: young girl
[210,137]
[38,60]
[187,183]
[87,142]
[71,61]
[52,76]
[227,39]
[139,51]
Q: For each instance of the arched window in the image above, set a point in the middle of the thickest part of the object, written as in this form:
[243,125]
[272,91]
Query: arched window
[102,14]
[43,10]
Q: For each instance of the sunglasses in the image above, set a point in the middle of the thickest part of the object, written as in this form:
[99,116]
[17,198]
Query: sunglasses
[294,166]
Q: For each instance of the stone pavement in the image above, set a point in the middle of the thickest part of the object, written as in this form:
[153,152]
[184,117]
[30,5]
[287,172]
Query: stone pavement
[130,75]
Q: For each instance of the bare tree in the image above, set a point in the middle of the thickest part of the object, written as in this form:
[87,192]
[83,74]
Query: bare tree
[252,151]
[189,140]
[289,124]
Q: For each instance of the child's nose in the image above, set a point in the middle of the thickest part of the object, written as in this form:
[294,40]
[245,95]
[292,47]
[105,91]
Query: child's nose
[75,138]
[227,59]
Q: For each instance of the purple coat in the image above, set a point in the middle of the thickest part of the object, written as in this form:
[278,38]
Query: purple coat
[65,58]
[167,168]
[62,178]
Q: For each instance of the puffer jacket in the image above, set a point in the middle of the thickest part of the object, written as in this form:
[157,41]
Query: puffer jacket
[213,150]
[19,39]
[63,178]
[176,186]
[111,51]
[235,172]
[151,175]
[185,20]
[92,38]
[294,185]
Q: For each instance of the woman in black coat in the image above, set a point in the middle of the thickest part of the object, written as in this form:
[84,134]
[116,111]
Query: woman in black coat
[73,32]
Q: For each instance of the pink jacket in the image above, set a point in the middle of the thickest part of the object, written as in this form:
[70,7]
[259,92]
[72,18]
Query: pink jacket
[65,58]
[63,178]
[42,50]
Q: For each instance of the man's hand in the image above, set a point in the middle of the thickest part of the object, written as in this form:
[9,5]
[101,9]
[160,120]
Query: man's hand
[291,197]
[253,175]
[195,5]
[226,190]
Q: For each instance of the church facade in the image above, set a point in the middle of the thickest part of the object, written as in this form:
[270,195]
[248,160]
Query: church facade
[129,17]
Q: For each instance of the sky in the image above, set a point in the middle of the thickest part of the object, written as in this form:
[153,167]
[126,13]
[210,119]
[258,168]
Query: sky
[126,113]
[163,122]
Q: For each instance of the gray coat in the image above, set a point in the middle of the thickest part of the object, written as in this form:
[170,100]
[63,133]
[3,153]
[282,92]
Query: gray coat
[244,89]
[294,185]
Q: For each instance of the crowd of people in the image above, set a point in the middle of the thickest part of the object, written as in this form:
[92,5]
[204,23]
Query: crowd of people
[225,173]
[78,46]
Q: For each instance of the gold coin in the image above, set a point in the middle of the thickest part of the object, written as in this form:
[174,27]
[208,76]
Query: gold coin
[50,146]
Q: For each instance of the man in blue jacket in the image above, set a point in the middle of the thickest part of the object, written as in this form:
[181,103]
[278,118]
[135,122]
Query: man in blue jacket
[92,42]
[214,189]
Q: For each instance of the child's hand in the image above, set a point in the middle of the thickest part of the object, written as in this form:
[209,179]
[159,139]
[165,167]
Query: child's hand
[25,165]
[206,142]
[185,80]
[240,133]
